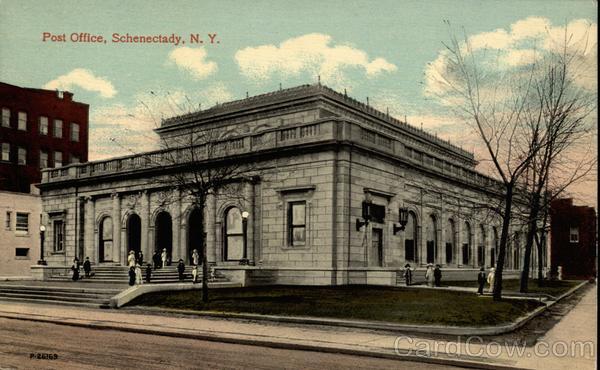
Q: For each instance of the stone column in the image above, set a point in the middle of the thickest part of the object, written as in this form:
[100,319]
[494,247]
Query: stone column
[88,230]
[145,219]
[210,228]
[176,228]
[117,254]
[249,206]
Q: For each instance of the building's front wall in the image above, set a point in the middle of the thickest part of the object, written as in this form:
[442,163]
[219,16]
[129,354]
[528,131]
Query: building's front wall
[19,242]
[326,165]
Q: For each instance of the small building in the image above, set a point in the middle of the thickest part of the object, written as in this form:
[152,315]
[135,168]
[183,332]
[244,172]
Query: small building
[573,233]
[38,129]
[19,233]
[336,192]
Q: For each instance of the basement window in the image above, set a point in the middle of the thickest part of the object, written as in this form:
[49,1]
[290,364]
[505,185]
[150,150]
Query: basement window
[22,252]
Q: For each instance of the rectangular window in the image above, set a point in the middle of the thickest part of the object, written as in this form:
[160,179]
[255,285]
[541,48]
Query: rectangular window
[22,156]
[5,117]
[22,125]
[58,128]
[21,252]
[22,221]
[74,132]
[58,159]
[6,152]
[574,234]
[58,230]
[75,159]
[7,222]
[43,125]
[43,159]
[297,223]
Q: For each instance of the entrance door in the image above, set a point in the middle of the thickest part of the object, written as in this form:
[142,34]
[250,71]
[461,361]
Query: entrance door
[134,233]
[430,251]
[376,250]
[164,234]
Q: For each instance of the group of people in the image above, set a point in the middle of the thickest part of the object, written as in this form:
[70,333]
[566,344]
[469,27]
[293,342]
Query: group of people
[433,276]
[87,268]
[159,260]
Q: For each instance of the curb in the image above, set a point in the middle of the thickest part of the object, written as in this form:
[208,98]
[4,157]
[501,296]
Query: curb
[391,355]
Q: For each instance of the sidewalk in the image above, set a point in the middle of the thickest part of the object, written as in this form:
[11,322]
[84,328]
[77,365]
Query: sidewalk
[576,325]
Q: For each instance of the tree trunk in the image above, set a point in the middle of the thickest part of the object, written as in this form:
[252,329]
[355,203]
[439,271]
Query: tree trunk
[503,241]
[534,210]
[201,204]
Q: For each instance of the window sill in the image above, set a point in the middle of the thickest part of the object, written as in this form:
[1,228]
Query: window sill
[22,234]
[22,258]
[57,253]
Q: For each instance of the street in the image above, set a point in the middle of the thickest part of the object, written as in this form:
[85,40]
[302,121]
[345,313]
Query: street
[82,348]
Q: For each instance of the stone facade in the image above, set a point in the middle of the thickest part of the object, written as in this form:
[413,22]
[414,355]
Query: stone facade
[19,233]
[317,157]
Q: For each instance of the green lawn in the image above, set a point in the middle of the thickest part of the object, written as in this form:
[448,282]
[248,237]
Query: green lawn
[390,304]
[552,287]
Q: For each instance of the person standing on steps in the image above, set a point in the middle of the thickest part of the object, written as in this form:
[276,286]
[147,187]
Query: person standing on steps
[156,259]
[195,274]
[131,259]
[429,275]
[163,257]
[195,257]
[481,280]
[140,260]
[131,276]
[75,269]
[138,274]
[148,273]
[181,269]
[87,267]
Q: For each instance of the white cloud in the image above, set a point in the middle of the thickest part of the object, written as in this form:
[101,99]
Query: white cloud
[117,130]
[85,79]
[193,61]
[313,53]
[531,27]
[518,57]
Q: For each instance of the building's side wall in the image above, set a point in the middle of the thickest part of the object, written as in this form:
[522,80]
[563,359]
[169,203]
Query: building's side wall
[11,238]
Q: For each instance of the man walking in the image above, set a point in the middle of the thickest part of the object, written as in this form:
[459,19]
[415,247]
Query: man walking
[407,274]
[181,269]
[437,275]
[87,267]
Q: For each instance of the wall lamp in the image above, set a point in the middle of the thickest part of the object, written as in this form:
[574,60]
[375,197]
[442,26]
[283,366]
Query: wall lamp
[402,219]
[366,214]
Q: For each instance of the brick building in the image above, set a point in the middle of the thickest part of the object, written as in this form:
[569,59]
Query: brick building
[38,129]
[573,232]
[319,159]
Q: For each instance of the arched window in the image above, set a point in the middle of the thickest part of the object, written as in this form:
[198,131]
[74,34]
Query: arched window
[410,238]
[234,242]
[431,239]
[105,233]
[466,247]
[481,247]
[450,240]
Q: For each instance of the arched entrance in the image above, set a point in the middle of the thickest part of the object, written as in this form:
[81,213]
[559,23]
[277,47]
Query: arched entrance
[195,239]
[164,234]
[105,240]
[134,233]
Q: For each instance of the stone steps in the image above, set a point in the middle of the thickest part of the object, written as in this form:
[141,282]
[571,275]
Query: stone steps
[77,296]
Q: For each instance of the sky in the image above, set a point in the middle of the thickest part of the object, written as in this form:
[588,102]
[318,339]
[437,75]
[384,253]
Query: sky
[389,51]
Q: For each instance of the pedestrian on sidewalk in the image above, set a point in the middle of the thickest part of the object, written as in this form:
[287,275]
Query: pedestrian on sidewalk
[87,267]
[429,275]
[75,269]
[131,276]
[148,273]
[407,274]
[481,280]
[138,274]
[181,269]
[195,274]
[437,275]
[490,280]
[163,257]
